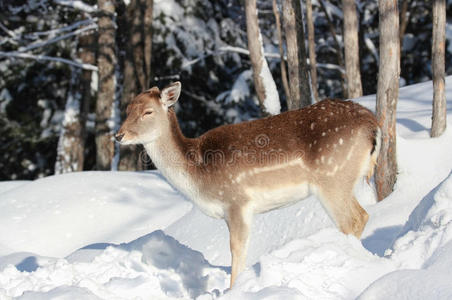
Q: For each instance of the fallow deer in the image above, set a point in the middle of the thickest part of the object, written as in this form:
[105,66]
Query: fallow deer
[236,171]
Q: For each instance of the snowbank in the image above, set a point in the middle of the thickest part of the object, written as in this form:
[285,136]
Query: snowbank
[57,215]
[423,252]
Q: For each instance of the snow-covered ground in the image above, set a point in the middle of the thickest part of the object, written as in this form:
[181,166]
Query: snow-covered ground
[122,235]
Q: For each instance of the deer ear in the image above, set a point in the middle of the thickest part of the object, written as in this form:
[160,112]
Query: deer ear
[170,94]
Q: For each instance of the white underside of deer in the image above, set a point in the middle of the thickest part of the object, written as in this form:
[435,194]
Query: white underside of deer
[236,171]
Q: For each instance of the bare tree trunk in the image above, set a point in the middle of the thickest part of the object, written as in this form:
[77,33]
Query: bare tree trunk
[340,58]
[311,44]
[106,62]
[438,67]
[71,144]
[281,51]
[351,50]
[296,55]
[135,30]
[404,20]
[387,96]
[263,81]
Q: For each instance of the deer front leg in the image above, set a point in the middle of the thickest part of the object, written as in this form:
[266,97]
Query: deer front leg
[239,221]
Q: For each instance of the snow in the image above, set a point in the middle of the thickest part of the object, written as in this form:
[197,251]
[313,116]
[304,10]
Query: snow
[77,4]
[124,235]
[240,89]
[80,203]
[271,102]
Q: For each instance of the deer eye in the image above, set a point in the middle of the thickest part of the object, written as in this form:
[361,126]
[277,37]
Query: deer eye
[147,113]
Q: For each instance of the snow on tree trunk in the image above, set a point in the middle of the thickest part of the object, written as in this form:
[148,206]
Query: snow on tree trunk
[387,96]
[263,81]
[71,142]
[105,112]
[296,55]
[351,49]
[438,68]
[311,44]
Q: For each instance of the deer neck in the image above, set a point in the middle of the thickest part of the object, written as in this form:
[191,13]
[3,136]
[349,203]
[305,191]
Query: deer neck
[169,152]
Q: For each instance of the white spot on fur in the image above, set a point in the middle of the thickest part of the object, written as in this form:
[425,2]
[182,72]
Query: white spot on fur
[323,133]
[331,173]
[312,125]
[336,129]
[341,141]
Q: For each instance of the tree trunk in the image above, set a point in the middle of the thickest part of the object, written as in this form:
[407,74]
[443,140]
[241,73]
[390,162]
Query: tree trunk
[351,50]
[438,68]
[296,55]
[71,144]
[311,44]
[387,96]
[135,30]
[340,58]
[105,148]
[281,51]
[263,81]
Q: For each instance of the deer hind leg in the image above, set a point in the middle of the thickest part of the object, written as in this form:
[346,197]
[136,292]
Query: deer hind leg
[345,210]
[239,221]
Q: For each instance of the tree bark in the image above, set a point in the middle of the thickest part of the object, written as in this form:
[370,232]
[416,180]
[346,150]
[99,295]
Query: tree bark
[351,50]
[263,81]
[106,62]
[311,44]
[387,96]
[135,35]
[71,144]
[438,67]
[281,51]
[296,55]
[340,58]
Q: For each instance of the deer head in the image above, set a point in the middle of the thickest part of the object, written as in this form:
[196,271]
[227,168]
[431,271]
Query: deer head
[147,115]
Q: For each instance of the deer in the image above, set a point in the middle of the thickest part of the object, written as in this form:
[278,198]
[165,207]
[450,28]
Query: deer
[235,171]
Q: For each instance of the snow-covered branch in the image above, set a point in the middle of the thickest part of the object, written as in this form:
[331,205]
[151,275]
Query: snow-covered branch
[9,32]
[77,4]
[228,48]
[62,29]
[224,49]
[57,39]
[16,54]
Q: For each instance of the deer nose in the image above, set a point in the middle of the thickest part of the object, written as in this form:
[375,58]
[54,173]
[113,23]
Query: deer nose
[119,136]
